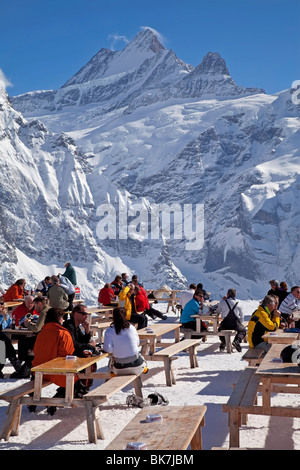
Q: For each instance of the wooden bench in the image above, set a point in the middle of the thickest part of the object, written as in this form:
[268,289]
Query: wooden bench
[189,333]
[166,355]
[179,428]
[241,402]
[101,394]
[13,396]
[254,356]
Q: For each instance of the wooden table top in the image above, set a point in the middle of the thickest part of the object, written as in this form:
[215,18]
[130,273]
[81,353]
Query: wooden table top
[269,368]
[174,432]
[61,365]
[280,336]
[159,329]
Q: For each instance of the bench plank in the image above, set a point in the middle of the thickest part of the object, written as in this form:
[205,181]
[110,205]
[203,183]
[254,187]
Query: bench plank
[180,427]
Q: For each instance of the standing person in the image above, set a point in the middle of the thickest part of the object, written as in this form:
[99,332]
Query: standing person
[122,341]
[67,285]
[232,316]
[193,308]
[260,322]
[10,352]
[15,291]
[70,273]
[58,298]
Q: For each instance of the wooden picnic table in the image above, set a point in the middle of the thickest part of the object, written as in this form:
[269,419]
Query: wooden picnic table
[62,366]
[154,333]
[281,337]
[170,297]
[18,331]
[100,328]
[215,319]
[179,428]
[13,303]
[280,377]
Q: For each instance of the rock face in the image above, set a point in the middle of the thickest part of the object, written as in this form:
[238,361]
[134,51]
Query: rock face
[139,130]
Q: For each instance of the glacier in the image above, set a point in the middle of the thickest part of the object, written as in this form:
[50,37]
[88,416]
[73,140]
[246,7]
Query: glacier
[142,127]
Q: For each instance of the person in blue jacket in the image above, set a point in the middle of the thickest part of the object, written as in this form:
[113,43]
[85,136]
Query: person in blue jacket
[7,351]
[193,307]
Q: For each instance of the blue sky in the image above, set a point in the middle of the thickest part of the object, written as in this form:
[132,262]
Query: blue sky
[45,42]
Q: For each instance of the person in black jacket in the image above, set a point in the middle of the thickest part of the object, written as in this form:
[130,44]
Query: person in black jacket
[79,328]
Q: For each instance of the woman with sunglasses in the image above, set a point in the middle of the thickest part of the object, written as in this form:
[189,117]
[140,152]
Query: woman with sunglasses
[192,307]
[6,344]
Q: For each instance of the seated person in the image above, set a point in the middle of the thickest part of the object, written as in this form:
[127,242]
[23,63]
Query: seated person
[10,352]
[69,288]
[193,307]
[22,309]
[26,343]
[260,322]
[128,302]
[106,295]
[275,290]
[290,304]
[232,316]
[15,291]
[43,286]
[122,341]
[79,328]
[117,285]
[149,310]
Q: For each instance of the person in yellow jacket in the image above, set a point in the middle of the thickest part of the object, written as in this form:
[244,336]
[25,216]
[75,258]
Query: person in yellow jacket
[133,312]
[261,322]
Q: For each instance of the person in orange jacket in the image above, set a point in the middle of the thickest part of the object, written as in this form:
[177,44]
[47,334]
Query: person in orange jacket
[15,291]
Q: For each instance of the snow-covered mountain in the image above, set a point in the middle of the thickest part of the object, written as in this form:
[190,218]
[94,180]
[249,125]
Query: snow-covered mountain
[139,128]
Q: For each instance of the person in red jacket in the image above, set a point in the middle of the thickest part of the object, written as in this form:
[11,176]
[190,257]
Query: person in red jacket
[106,295]
[15,291]
[24,308]
[149,310]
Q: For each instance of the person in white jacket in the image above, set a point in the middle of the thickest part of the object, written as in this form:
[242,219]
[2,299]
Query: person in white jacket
[122,341]
[232,315]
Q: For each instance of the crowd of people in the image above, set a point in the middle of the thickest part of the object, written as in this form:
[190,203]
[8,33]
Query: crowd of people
[59,328]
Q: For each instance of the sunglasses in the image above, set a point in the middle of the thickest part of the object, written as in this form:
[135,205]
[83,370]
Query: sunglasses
[1,303]
[82,313]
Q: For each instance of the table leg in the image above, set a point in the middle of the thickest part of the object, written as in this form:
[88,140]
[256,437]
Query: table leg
[69,387]
[38,380]
[266,395]
[177,335]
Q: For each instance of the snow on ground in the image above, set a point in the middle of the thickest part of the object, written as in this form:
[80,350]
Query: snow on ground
[210,385]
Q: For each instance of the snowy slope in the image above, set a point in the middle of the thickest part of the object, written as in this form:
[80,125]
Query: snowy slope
[143,126]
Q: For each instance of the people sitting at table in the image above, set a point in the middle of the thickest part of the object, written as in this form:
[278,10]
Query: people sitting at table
[23,309]
[26,343]
[122,341]
[53,341]
[149,310]
[261,322]
[15,291]
[117,285]
[232,318]
[193,307]
[57,296]
[67,285]
[106,295]
[43,286]
[127,300]
[290,304]
[186,295]
[5,342]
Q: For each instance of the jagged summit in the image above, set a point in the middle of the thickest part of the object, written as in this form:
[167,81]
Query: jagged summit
[212,63]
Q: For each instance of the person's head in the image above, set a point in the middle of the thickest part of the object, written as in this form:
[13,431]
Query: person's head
[295,290]
[193,286]
[67,264]
[39,304]
[134,277]
[28,301]
[283,285]
[21,283]
[79,314]
[55,280]
[107,286]
[55,315]
[2,305]
[231,293]
[47,280]
[274,284]
[198,295]
[269,301]
[131,287]
[276,300]
[124,275]
[137,289]
[118,279]
[199,286]
[119,319]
